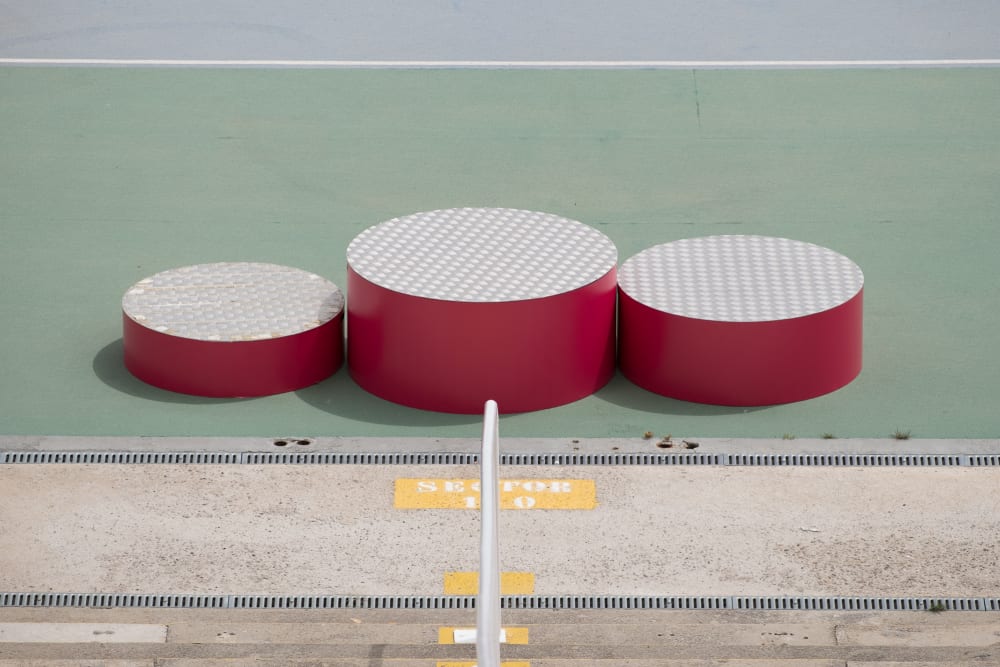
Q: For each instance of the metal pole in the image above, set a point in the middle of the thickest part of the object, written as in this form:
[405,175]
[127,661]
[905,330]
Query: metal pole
[488,603]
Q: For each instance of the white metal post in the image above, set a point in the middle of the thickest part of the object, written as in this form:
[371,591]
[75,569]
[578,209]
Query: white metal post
[488,603]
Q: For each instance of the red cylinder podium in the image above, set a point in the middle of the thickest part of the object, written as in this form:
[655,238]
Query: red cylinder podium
[233,329]
[740,320]
[447,309]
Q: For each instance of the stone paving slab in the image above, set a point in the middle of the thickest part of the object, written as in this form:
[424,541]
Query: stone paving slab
[333,530]
[77,633]
[542,662]
[638,638]
[984,634]
[31,662]
[553,632]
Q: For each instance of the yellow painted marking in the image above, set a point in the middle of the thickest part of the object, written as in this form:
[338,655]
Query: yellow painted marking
[473,664]
[467,583]
[537,494]
[508,635]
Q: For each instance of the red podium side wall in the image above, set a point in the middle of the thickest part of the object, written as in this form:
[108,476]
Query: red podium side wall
[740,363]
[451,356]
[233,369]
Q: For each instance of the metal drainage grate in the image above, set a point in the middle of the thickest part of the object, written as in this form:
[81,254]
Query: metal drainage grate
[984,460]
[352,602]
[113,600]
[859,603]
[867,460]
[347,458]
[621,459]
[611,602]
[469,458]
[551,602]
[123,457]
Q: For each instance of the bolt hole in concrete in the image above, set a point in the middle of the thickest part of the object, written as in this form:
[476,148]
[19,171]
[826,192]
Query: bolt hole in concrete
[280,443]
[303,441]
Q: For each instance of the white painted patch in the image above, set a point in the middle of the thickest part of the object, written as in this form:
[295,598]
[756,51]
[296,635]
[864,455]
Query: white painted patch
[82,633]
[468,635]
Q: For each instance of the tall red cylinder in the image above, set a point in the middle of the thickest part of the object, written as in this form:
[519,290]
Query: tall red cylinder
[740,320]
[233,329]
[447,309]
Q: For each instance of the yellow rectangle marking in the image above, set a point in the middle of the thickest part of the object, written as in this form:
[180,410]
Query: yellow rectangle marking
[508,635]
[537,494]
[467,583]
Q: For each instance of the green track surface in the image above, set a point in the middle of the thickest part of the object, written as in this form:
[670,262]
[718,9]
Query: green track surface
[110,175]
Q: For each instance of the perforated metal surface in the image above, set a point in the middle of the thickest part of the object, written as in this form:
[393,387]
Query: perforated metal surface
[481,255]
[233,301]
[734,278]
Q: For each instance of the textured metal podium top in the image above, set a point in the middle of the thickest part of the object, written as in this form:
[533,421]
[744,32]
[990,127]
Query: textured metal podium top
[481,255]
[233,301]
[740,278]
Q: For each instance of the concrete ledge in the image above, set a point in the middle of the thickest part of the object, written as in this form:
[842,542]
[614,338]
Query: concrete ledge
[567,445]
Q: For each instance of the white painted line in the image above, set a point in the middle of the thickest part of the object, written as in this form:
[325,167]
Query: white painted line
[509,64]
[81,633]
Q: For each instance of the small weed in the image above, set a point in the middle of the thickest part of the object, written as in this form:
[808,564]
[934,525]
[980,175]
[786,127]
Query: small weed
[937,607]
[647,435]
[901,435]
[788,436]
[829,436]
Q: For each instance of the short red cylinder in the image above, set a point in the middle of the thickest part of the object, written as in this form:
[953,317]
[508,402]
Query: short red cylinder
[473,343]
[762,361]
[261,348]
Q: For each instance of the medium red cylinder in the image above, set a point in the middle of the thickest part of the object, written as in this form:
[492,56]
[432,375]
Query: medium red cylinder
[780,320]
